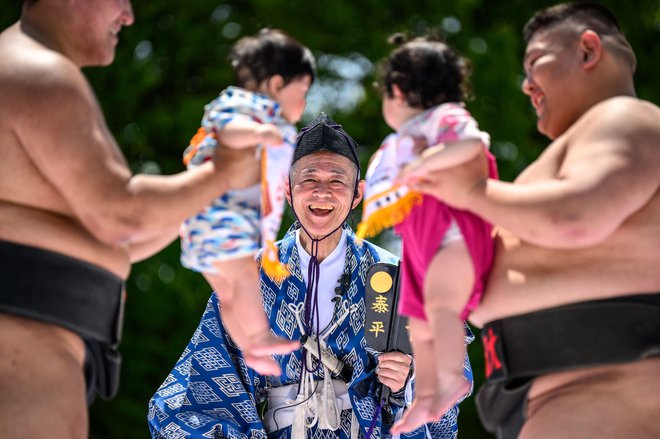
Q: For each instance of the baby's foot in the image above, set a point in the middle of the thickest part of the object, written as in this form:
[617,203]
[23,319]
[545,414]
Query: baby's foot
[258,354]
[268,344]
[452,389]
[431,407]
[419,413]
[262,364]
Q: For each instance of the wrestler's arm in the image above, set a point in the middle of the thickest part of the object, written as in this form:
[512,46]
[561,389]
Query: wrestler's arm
[601,183]
[243,132]
[141,250]
[608,177]
[62,129]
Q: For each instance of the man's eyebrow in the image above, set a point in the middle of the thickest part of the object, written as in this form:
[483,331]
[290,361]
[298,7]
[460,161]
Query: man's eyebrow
[341,171]
[338,171]
[531,52]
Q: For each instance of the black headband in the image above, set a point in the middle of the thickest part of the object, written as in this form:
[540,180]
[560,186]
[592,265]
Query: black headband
[324,134]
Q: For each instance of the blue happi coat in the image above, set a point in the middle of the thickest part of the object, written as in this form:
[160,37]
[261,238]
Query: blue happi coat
[210,393]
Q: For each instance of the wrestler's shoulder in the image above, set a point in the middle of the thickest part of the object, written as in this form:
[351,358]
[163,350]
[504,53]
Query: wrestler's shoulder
[46,85]
[633,121]
[36,74]
[625,110]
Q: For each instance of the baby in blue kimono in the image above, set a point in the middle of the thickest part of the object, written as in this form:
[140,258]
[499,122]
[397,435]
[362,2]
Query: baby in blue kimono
[273,75]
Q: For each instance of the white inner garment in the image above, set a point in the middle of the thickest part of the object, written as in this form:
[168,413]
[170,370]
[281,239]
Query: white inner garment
[452,234]
[330,270]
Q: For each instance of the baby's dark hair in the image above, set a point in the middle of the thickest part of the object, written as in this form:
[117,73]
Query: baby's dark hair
[271,52]
[427,71]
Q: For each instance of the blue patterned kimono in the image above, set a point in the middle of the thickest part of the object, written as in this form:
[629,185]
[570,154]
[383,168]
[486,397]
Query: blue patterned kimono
[210,393]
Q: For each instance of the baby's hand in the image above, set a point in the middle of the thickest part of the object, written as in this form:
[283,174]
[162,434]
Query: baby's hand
[409,145]
[419,145]
[269,134]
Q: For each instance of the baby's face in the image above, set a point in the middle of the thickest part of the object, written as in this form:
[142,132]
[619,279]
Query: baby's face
[390,114]
[293,98]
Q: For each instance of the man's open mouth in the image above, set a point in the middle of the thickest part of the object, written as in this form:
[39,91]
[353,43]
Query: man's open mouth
[320,210]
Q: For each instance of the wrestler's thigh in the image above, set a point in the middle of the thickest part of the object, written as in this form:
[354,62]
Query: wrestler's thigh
[42,388]
[589,412]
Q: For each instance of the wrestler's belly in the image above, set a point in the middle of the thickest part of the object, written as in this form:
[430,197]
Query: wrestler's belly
[527,278]
[61,234]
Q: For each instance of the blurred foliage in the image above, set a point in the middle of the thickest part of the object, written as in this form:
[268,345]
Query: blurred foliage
[173,61]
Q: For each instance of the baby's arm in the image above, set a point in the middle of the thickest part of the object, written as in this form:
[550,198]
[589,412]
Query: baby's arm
[450,154]
[244,133]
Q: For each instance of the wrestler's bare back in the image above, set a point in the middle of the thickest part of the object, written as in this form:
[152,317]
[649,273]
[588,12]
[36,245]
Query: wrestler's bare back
[528,277]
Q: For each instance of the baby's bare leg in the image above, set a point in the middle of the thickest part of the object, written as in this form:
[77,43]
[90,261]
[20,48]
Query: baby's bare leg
[237,287]
[447,288]
[422,410]
[449,281]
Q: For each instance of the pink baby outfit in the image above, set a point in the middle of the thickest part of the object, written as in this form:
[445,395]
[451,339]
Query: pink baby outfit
[422,233]
[423,229]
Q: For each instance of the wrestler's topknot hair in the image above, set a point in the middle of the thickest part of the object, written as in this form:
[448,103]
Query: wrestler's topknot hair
[427,70]
[584,15]
[270,52]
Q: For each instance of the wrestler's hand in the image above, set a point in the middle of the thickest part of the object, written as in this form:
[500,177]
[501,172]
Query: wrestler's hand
[239,167]
[393,369]
[269,134]
[453,185]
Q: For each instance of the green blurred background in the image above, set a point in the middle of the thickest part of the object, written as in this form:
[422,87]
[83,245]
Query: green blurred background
[172,61]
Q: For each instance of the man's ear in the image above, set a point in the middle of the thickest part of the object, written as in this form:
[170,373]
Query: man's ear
[287,189]
[359,193]
[591,49]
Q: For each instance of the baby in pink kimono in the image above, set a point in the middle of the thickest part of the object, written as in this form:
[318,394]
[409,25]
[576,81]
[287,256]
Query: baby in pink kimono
[447,253]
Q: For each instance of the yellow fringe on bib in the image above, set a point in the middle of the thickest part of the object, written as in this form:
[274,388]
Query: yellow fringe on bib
[388,216]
